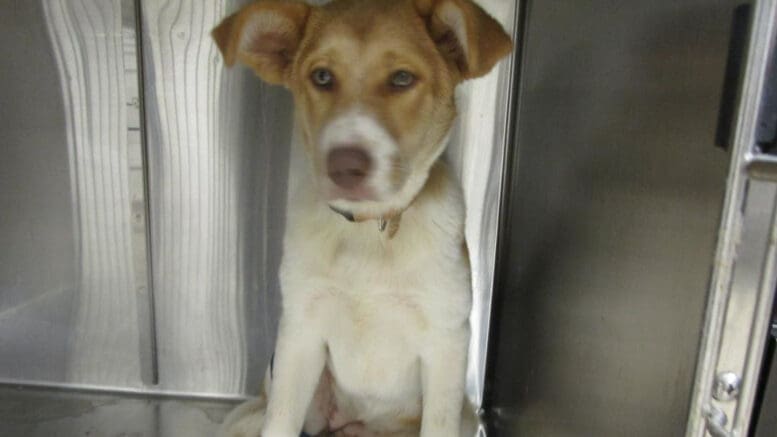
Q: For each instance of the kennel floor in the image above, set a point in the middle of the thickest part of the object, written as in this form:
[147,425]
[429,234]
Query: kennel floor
[43,412]
[33,412]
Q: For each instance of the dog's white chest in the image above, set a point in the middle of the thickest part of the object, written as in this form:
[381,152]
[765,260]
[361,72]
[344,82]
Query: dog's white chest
[383,308]
[372,333]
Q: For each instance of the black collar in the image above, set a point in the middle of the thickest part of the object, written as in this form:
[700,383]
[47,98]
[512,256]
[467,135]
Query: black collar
[346,214]
[382,222]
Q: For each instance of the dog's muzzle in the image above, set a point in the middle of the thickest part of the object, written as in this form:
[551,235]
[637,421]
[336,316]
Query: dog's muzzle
[348,167]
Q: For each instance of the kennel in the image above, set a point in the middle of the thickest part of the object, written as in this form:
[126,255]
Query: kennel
[623,264]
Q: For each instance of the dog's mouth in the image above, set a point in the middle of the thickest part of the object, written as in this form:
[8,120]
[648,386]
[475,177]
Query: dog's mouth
[360,194]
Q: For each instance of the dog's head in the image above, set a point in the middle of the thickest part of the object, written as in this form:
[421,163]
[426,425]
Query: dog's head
[373,83]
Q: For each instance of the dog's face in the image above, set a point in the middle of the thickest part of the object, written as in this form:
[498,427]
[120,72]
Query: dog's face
[373,83]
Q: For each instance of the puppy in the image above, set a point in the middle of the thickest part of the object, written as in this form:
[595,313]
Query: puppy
[375,275]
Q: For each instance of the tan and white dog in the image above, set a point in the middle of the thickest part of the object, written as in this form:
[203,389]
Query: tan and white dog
[375,277]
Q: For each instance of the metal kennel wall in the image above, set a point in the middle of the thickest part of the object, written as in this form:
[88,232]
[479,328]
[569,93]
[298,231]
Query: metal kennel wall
[142,197]
[636,282]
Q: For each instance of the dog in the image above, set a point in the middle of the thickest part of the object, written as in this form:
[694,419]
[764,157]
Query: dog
[375,278]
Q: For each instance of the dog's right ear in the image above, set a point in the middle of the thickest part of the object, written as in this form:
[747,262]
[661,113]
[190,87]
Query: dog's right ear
[265,36]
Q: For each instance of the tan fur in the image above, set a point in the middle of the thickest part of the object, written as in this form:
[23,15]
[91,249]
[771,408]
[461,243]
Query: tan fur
[374,333]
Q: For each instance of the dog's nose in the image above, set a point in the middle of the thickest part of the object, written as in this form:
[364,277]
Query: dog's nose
[348,166]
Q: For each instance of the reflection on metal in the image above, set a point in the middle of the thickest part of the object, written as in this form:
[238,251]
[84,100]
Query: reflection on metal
[39,273]
[476,153]
[727,386]
[614,203]
[762,167]
[47,413]
[218,145]
[97,69]
[149,367]
[743,281]
[716,421]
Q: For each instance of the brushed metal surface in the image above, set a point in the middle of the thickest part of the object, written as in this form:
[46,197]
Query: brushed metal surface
[476,153]
[743,282]
[69,305]
[218,158]
[36,223]
[746,323]
[613,215]
[47,413]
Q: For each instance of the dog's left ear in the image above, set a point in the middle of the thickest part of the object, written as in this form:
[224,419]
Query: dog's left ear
[465,34]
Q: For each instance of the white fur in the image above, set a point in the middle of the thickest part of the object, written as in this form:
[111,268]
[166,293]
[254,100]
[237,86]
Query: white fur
[451,15]
[253,31]
[245,420]
[387,317]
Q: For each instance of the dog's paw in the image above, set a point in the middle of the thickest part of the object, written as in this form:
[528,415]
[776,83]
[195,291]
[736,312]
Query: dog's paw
[246,420]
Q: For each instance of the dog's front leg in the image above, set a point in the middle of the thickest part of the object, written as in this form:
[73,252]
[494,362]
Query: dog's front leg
[443,373]
[300,356]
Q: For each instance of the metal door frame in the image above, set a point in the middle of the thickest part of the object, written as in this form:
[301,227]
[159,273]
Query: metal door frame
[744,273]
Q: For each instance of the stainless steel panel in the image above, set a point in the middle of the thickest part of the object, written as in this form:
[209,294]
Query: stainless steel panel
[218,143]
[743,282]
[613,212]
[476,153]
[36,223]
[68,279]
[42,413]
[741,339]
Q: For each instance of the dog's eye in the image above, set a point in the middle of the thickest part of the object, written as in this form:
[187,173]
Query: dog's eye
[322,78]
[402,79]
